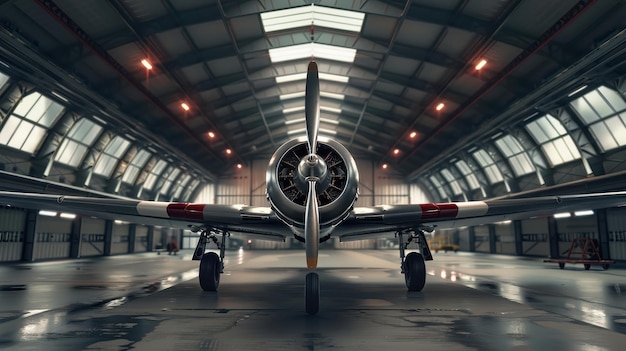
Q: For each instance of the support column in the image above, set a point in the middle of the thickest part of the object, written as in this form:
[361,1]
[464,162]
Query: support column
[75,237]
[150,239]
[29,235]
[472,239]
[108,237]
[553,237]
[492,238]
[603,233]
[132,233]
[519,243]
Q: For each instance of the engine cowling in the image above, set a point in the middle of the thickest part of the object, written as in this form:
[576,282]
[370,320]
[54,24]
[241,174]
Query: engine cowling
[337,189]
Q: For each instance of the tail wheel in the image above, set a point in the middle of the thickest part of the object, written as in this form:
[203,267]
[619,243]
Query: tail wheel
[312,293]
[210,268]
[414,271]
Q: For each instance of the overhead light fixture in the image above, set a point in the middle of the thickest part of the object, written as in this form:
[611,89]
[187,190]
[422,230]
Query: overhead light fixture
[330,109]
[304,16]
[322,51]
[440,106]
[47,213]
[184,106]
[481,64]
[413,135]
[396,151]
[146,64]
[562,215]
[293,109]
[229,151]
[239,166]
[211,135]
[67,215]
[583,213]
[294,121]
[385,166]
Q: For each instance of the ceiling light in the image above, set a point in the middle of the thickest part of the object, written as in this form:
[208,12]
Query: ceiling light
[396,151]
[577,91]
[413,135]
[562,215]
[583,213]
[301,51]
[146,64]
[47,213]
[184,106]
[440,106]
[481,64]
[385,166]
[329,121]
[239,166]
[211,135]
[327,131]
[317,15]
[229,151]
[293,121]
[67,215]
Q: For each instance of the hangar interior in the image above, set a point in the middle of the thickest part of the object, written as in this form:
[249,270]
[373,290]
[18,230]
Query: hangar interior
[186,101]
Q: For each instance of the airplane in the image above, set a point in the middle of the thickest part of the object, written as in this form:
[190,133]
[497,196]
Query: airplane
[312,189]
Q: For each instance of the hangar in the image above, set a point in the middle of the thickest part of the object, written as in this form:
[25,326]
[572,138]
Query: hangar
[186,101]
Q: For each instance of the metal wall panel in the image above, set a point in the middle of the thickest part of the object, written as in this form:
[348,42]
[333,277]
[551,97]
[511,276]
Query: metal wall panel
[535,237]
[505,243]
[92,237]
[575,227]
[119,243]
[482,238]
[616,220]
[141,238]
[52,238]
[12,224]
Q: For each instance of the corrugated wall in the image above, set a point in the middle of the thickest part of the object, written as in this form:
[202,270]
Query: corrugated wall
[12,224]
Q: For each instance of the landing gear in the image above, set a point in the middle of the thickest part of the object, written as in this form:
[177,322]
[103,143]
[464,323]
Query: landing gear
[211,265]
[413,265]
[312,293]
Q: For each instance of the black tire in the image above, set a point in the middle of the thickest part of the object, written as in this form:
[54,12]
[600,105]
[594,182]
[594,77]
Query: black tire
[210,268]
[312,293]
[587,266]
[561,265]
[414,271]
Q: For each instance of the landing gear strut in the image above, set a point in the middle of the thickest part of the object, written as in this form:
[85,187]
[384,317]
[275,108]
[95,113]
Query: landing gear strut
[211,265]
[412,265]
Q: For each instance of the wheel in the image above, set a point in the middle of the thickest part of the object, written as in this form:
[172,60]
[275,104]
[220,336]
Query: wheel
[210,268]
[561,265]
[605,266]
[312,293]
[414,271]
[587,266]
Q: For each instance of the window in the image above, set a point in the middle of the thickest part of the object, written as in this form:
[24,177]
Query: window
[604,112]
[556,143]
[26,127]
[447,175]
[112,153]
[488,165]
[466,171]
[135,166]
[3,80]
[180,185]
[518,158]
[155,172]
[78,140]
[304,16]
[437,184]
[171,175]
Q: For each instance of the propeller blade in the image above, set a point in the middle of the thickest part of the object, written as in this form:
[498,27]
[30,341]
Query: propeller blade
[312,227]
[312,106]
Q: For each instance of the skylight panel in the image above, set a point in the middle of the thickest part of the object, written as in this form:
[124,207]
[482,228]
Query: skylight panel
[332,96]
[295,52]
[317,15]
[291,95]
[302,76]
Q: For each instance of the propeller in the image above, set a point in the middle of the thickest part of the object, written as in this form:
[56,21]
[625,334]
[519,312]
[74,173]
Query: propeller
[312,167]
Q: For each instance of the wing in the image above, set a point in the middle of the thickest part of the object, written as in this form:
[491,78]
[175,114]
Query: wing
[376,220]
[257,221]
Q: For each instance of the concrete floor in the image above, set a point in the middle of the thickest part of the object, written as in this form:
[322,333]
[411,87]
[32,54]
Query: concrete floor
[470,302]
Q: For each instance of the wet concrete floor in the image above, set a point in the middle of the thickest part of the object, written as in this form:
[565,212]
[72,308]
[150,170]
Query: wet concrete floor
[470,302]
